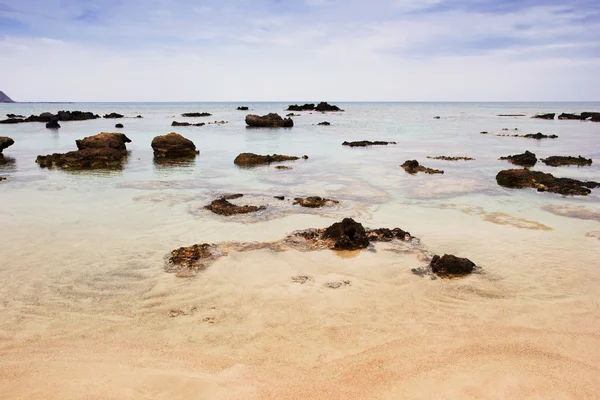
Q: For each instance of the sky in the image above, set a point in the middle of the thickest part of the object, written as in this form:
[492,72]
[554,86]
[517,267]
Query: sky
[300,50]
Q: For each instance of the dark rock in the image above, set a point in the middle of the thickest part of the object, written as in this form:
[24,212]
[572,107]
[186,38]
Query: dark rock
[189,256]
[387,235]
[314,201]
[60,116]
[114,115]
[268,121]
[196,114]
[173,145]
[348,235]
[5,142]
[12,121]
[524,178]
[223,207]
[595,116]
[527,159]
[437,117]
[325,107]
[557,161]
[119,126]
[175,123]
[450,266]
[104,140]
[4,98]
[76,115]
[324,123]
[139,116]
[364,143]
[242,108]
[570,116]
[283,167]
[539,136]
[2,178]
[15,116]
[544,116]
[89,158]
[292,115]
[511,115]
[412,167]
[279,197]
[252,160]
[305,107]
[53,124]
[446,158]
[232,196]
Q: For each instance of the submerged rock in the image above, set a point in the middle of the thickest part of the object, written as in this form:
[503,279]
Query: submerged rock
[283,167]
[544,116]
[5,142]
[524,178]
[557,161]
[196,114]
[450,266]
[90,158]
[511,115]
[187,261]
[537,136]
[113,115]
[119,126]
[53,124]
[324,123]
[365,143]
[446,158]
[268,121]
[253,160]
[103,140]
[314,201]
[527,159]
[173,145]
[175,123]
[347,235]
[223,207]
[412,167]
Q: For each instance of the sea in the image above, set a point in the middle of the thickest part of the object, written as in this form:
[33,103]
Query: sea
[89,311]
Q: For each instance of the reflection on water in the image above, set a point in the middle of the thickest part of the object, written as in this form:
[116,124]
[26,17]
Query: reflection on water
[162,162]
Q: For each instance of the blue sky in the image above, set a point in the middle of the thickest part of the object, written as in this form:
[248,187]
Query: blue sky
[159,50]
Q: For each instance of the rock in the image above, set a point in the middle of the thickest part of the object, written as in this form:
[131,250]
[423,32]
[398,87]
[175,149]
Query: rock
[196,114]
[314,201]
[524,178]
[242,108]
[76,115]
[324,123]
[527,159]
[484,132]
[364,143]
[283,167]
[2,178]
[305,107]
[325,107]
[512,115]
[5,142]
[173,145]
[223,207]
[139,116]
[89,158]
[570,116]
[119,126]
[47,117]
[446,158]
[114,115]
[595,116]
[268,121]
[215,123]
[15,116]
[412,167]
[292,115]
[4,98]
[387,235]
[104,140]
[437,117]
[557,161]
[190,256]
[544,116]
[539,136]
[450,266]
[53,124]
[279,197]
[252,160]
[347,235]
[12,121]
[175,123]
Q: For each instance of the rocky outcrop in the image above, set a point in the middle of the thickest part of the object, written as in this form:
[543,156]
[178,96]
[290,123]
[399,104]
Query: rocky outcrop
[4,98]
[253,160]
[537,136]
[196,114]
[5,142]
[314,201]
[15,116]
[593,116]
[268,121]
[544,116]
[524,178]
[242,108]
[325,107]
[347,235]
[175,123]
[119,126]
[222,206]
[53,124]
[365,143]
[173,145]
[450,266]
[527,159]
[558,161]
[412,167]
[322,107]
[113,115]
[446,158]
[47,117]
[104,140]
[305,107]
[570,116]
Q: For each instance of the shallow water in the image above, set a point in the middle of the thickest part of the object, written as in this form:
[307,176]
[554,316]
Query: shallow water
[89,312]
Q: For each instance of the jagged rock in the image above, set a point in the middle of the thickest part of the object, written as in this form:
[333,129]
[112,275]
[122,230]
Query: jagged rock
[570,116]
[173,145]
[305,107]
[4,98]
[89,158]
[557,161]
[118,125]
[114,115]
[314,201]
[242,108]
[324,123]
[252,160]
[446,158]
[196,114]
[223,207]
[53,124]
[104,140]
[15,116]
[348,235]
[364,143]
[5,142]
[544,116]
[325,107]
[524,178]
[527,159]
[412,167]
[387,235]
[175,123]
[450,266]
[268,121]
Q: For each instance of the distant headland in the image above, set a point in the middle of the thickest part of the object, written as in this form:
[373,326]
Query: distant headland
[5,99]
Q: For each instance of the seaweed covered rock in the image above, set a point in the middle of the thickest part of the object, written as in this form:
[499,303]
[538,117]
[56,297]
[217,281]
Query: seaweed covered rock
[544,116]
[413,166]
[268,121]
[103,140]
[188,261]
[314,201]
[223,207]
[47,117]
[365,143]
[387,235]
[347,235]
[90,158]
[5,142]
[557,161]
[450,266]
[538,136]
[253,160]
[527,159]
[524,178]
[173,145]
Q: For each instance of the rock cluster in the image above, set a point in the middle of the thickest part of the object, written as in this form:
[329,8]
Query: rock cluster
[322,106]
[47,117]
[196,114]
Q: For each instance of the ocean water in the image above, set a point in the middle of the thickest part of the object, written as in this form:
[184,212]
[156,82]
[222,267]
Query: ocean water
[89,312]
